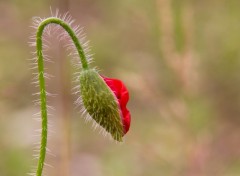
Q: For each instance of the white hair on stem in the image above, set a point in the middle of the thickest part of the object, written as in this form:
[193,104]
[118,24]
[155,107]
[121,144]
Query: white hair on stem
[70,49]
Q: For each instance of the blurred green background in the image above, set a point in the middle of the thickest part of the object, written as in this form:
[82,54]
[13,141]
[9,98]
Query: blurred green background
[181,63]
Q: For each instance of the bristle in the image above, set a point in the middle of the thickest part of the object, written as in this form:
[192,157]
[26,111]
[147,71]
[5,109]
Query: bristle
[71,49]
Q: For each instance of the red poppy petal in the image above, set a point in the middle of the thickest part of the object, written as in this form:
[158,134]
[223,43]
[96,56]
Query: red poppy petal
[124,96]
[126,119]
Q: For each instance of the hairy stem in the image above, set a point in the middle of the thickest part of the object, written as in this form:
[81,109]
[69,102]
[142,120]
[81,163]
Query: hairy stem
[41,78]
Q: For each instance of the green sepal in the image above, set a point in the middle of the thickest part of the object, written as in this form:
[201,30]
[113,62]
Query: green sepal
[101,103]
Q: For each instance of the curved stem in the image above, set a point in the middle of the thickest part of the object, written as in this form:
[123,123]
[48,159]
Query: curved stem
[41,78]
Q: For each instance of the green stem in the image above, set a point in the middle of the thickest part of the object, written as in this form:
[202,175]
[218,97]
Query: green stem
[41,78]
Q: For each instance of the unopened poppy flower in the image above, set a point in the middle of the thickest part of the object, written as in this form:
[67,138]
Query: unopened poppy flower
[121,93]
[105,100]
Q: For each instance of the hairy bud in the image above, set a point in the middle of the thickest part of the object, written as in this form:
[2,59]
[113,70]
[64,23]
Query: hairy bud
[101,103]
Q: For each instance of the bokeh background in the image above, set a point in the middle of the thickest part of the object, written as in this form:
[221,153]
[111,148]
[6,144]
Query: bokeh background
[180,60]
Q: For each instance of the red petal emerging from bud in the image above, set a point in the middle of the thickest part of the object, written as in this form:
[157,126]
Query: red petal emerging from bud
[121,93]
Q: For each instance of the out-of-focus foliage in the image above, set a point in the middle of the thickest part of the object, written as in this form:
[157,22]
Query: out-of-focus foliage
[181,63]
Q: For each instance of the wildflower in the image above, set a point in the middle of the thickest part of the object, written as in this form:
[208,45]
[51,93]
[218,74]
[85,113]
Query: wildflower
[121,93]
[105,101]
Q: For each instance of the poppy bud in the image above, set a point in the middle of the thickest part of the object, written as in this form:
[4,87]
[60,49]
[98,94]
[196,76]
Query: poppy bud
[105,101]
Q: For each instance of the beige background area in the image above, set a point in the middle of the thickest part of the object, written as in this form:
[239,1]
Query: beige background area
[181,63]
